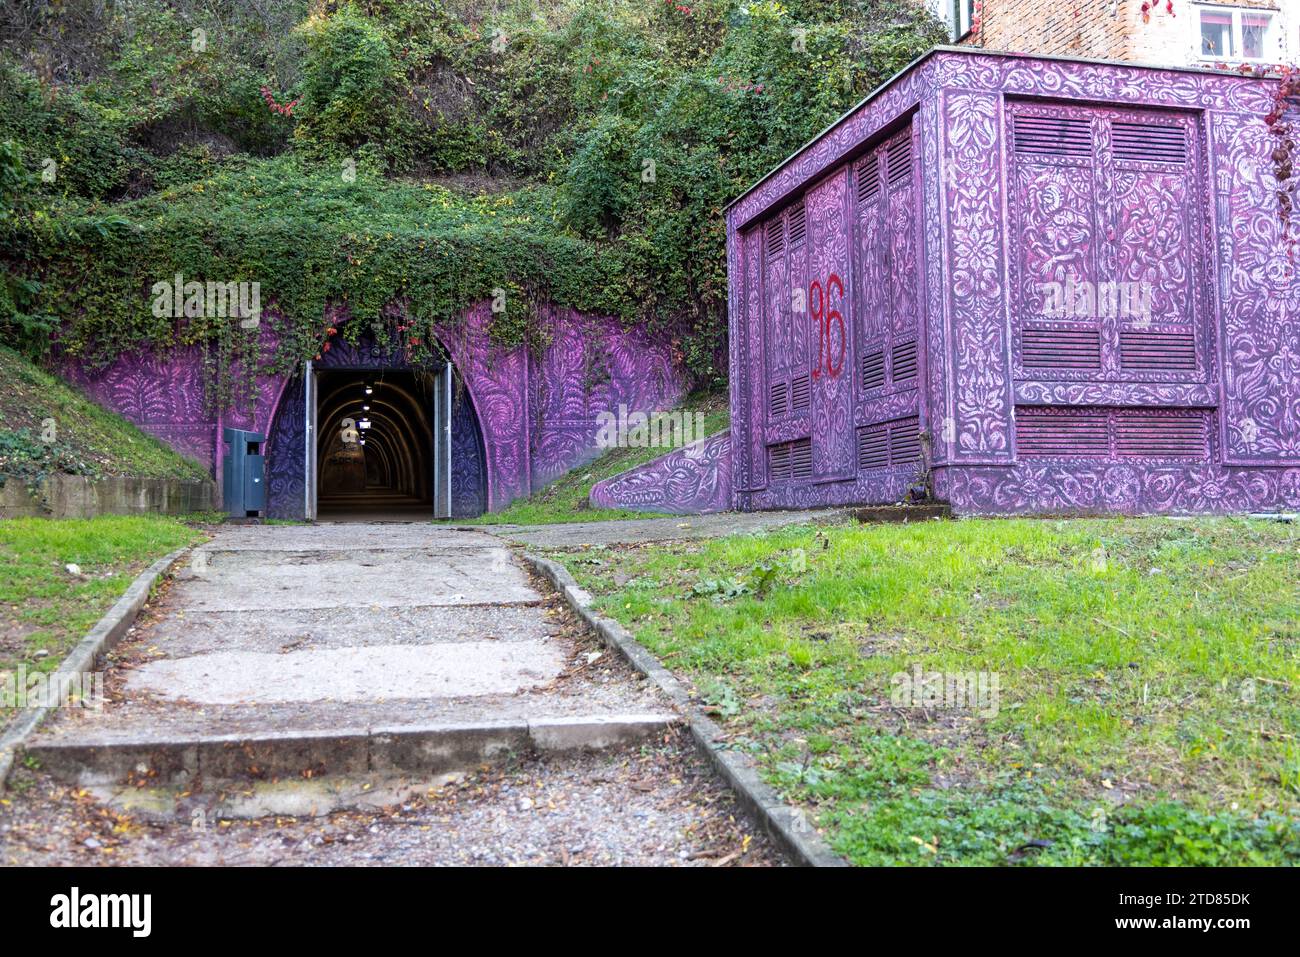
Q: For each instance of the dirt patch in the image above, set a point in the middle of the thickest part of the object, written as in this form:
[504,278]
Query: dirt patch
[651,806]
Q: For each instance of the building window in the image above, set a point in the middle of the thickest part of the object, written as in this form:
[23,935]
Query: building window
[1234,33]
[959,14]
[1254,34]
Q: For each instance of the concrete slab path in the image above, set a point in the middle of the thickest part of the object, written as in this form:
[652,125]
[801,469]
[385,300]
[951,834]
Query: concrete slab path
[300,629]
[669,528]
[296,690]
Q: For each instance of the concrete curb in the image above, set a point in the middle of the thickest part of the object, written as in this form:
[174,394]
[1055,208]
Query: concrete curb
[433,749]
[785,825]
[81,659]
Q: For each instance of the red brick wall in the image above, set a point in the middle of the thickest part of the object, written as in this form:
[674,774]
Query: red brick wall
[1086,28]
[1109,29]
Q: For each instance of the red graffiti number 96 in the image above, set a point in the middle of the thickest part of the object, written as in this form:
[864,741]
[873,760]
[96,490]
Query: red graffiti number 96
[824,315]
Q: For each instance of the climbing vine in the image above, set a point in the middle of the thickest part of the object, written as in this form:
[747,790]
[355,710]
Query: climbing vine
[405,160]
[404,260]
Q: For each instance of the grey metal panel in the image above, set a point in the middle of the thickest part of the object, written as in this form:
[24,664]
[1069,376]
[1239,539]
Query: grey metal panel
[254,483]
[442,443]
[309,443]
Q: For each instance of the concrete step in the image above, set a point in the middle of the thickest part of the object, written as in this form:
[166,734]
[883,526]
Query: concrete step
[901,513]
[274,580]
[345,537]
[428,750]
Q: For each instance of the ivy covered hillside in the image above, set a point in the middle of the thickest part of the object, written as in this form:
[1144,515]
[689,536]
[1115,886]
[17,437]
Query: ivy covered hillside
[426,153]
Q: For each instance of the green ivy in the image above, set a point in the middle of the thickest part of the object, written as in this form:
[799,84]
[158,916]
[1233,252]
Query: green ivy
[578,153]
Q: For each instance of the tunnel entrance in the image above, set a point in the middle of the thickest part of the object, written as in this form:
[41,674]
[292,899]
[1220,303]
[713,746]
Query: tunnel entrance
[419,455]
[376,457]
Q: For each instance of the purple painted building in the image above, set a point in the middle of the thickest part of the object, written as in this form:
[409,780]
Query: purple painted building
[1015,284]
[1012,283]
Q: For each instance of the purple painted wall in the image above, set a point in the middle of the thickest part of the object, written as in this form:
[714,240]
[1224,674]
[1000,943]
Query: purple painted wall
[893,326]
[689,480]
[521,422]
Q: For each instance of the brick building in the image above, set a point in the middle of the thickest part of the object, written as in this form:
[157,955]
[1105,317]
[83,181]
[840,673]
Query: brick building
[1193,33]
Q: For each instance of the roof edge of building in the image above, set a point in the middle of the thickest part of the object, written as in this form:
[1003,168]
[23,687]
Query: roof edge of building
[974,51]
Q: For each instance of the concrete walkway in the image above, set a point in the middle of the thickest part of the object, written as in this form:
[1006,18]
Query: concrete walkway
[307,687]
[669,528]
[339,638]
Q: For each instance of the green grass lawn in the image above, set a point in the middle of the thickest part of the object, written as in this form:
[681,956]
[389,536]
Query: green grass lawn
[43,606]
[1147,672]
[566,499]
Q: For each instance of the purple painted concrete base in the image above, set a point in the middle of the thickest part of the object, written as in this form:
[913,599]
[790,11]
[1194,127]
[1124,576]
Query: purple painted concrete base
[693,479]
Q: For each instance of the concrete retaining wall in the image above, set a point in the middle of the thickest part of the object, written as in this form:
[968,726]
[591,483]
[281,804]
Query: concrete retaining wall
[78,496]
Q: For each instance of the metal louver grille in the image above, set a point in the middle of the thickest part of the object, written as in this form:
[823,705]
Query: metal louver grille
[790,460]
[798,226]
[873,370]
[778,462]
[1099,433]
[900,160]
[801,459]
[800,393]
[1158,351]
[904,361]
[775,237]
[889,443]
[1053,135]
[1149,142]
[868,179]
[1078,349]
[873,447]
[1179,435]
[778,402]
[1064,433]
[904,442]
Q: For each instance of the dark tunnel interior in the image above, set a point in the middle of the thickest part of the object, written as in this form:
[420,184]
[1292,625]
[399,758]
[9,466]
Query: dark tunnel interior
[374,448]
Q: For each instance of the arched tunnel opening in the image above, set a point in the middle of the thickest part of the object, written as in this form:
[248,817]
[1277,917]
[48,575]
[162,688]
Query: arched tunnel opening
[374,453]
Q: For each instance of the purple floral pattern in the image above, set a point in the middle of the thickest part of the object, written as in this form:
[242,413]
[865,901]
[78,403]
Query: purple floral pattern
[691,480]
[1199,229]
[520,422]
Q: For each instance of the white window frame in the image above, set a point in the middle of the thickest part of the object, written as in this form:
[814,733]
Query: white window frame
[957,15]
[1274,41]
[963,17]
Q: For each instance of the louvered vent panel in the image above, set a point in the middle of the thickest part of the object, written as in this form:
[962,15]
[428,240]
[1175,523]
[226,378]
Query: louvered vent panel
[1049,434]
[873,447]
[778,462]
[798,226]
[775,237]
[790,460]
[1168,436]
[873,370]
[868,179]
[1147,142]
[904,442]
[904,358]
[801,459]
[1078,349]
[1158,351]
[900,160]
[778,400]
[889,443]
[1054,135]
[800,394]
